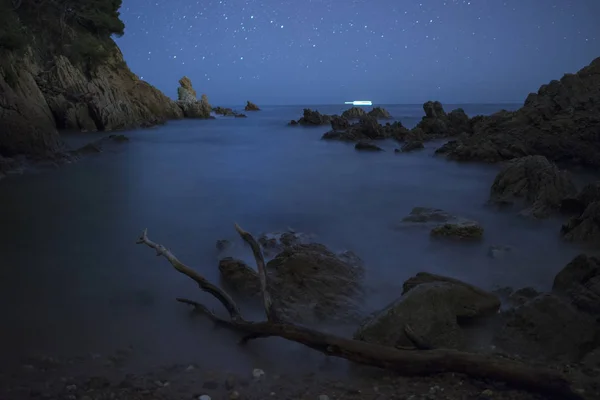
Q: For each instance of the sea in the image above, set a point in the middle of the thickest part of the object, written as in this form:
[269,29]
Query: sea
[73,282]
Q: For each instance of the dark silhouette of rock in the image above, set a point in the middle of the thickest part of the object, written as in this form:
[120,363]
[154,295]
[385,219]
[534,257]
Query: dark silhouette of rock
[584,225]
[437,123]
[560,122]
[580,282]
[250,106]
[412,145]
[366,146]
[293,122]
[189,103]
[354,113]
[379,113]
[434,307]
[535,182]
[228,112]
[339,123]
[310,117]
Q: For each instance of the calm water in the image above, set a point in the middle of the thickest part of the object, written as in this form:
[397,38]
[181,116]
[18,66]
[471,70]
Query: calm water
[73,281]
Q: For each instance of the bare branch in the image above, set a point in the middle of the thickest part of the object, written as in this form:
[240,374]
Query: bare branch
[262,273]
[205,285]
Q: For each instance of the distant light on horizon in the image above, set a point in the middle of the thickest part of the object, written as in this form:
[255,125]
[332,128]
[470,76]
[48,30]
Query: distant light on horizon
[360,102]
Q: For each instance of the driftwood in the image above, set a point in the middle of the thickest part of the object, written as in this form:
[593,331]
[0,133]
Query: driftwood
[420,361]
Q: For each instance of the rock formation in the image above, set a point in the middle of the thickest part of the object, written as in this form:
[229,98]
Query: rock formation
[354,113]
[437,123]
[367,128]
[81,82]
[560,122]
[188,101]
[366,146]
[250,106]
[584,225]
[412,145]
[228,112]
[442,223]
[534,181]
[379,113]
[313,117]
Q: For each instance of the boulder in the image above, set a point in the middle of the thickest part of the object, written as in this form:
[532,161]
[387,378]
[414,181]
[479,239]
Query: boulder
[559,122]
[239,277]
[533,181]
[315,118]
[189,103]
[379,113]
[432,307]
[577,205]
[366,146]
[250,106]
[579,281]
[443,224]
[339,123]
[547,327]
[354,113]
[308,283]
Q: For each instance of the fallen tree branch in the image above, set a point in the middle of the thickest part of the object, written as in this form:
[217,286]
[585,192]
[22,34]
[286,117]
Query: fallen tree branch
[406,362]
[262,273]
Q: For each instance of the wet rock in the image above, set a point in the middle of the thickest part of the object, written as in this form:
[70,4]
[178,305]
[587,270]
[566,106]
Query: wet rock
[412,146]
[99,145]
[274,242]
[533,181]
[559,122]
[584,226]
[443,224]
[227,112]
[308,283]
[367,128]
[250,106]
[379,113]
[546,327]
[459,230]
[580,282]
[239,277]
[188,102]
[314,118]
[433,307]
[366,146]
[339,123]
[354,113]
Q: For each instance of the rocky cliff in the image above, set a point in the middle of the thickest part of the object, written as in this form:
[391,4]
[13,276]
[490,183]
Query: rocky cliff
[60,69]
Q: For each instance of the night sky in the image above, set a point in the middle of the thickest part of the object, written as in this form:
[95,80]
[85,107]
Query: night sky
[331,51]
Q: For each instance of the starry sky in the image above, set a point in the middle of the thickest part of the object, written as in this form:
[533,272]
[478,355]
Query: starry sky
[277,52]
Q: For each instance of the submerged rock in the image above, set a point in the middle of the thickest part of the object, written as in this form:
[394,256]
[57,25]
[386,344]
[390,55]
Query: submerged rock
[366,146]
[308,283]
[412,145]
[444,224]
[534,181]
[431,309]
[250,106]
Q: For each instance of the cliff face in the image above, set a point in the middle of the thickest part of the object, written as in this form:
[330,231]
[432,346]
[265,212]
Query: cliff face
[45,86]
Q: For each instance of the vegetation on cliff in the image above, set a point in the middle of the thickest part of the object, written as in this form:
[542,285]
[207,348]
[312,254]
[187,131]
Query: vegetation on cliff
[79,29]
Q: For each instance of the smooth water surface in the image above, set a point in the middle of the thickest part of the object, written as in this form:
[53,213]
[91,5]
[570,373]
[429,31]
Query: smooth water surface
[73,281]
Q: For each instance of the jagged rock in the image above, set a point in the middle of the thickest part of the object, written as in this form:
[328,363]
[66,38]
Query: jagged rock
[354,113]
[366,146]
[367,128]
[308,283]
[433,307]
[227,112]
[443,223]
[412,145]
[189,103]
[534,181]
[311,117]
[546,327]
[584,226]
[250,106]
[560,122]
[379,113]
[580,282]
[339,123]
[436,123]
